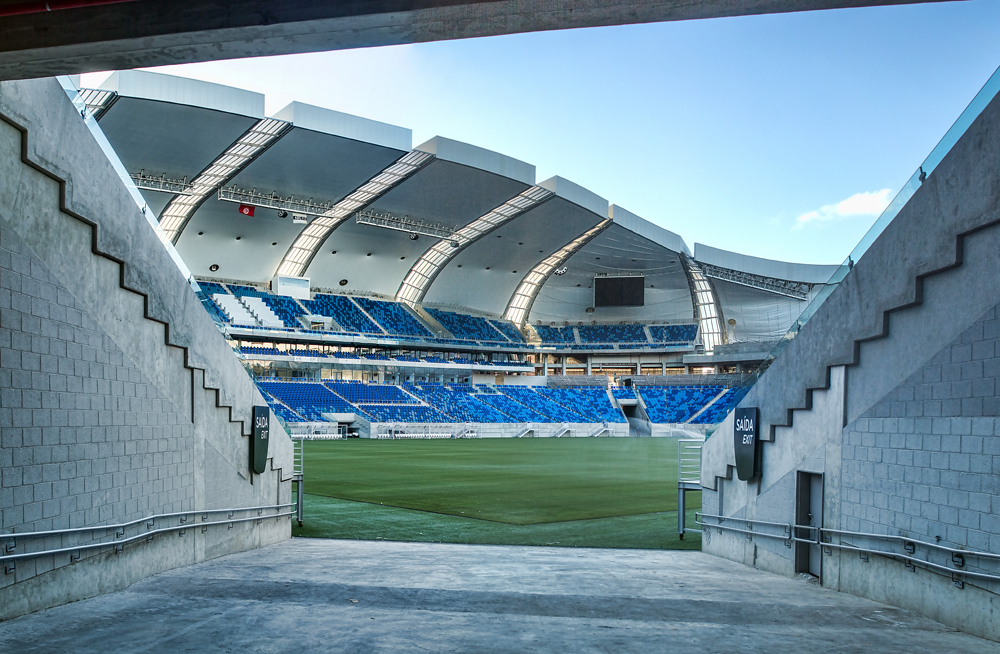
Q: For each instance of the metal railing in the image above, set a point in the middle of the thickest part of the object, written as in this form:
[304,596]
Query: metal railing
[823,537]
[115,535]
[688,478]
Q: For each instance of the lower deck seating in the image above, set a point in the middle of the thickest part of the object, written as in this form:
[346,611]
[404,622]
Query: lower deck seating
[458,404]
[515,410]
[624,392]
[404,413]
[297,401]
[542,404]
[308,399]
[718,411]
[676,404]
[371,393]
[592,402]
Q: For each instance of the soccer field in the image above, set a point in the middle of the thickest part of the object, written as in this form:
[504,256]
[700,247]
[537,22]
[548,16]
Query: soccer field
[518,482]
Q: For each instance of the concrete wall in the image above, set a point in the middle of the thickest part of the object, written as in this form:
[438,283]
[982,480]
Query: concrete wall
[124,36]
[890,392]
[118,396]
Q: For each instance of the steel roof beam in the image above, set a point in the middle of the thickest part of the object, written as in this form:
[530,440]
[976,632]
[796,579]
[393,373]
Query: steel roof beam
[176,215]
[311,239]
[422,274]
[520,303]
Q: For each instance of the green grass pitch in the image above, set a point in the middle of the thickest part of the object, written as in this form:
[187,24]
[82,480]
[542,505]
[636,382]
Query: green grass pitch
[596,492]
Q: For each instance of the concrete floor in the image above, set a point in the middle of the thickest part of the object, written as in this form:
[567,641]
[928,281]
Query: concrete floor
[361,596]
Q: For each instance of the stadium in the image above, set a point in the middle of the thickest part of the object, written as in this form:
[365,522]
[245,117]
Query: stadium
[376,288]
[290,378]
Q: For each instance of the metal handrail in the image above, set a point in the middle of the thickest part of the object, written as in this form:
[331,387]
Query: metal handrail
[904,539]
[790,535]
[148,536]
[125,525]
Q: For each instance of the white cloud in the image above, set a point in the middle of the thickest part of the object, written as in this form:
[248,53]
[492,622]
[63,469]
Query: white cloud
[859,204]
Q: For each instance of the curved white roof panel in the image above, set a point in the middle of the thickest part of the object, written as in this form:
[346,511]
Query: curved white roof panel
[796,272]
[576,194]
[648,230]
[337,123]
[470,155]
[181,90]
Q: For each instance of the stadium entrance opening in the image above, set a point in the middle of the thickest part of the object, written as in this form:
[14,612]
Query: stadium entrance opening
[809,513]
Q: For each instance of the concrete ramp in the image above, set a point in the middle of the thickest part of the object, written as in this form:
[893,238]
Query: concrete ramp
[311,595]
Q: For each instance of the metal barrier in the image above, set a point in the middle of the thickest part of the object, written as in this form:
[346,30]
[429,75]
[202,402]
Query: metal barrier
[824,538]
[298,465]
[688,478]
[9,555]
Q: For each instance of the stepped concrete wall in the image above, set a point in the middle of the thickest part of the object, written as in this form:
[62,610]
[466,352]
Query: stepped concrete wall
[890,392]
[118,396]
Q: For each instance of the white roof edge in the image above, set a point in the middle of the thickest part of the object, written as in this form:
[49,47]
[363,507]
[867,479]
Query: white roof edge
[337,123]
[794,272]
[182,90]
[481,158]
[577,195]
[648,230]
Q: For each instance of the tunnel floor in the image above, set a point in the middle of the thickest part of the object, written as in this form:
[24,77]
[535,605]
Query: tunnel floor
[313,595]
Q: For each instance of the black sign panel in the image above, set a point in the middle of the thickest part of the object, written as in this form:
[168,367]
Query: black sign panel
[619,291]
[258,447]
[747,444]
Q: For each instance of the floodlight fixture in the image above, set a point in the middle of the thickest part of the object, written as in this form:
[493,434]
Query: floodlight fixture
[162,183]
[300,255]
[402,224]
[254,141]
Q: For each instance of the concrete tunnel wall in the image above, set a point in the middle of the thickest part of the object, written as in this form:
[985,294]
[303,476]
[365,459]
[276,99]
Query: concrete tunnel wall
[890,392]
[119,398]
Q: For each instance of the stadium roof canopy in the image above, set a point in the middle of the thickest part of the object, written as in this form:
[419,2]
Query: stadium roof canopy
[350,204]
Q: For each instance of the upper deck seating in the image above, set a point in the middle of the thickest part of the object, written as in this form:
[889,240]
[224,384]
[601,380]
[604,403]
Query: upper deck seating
[508,329]
[674,333]
[467,327]
[211,288]
[612,334]
[345,312]
[555,335]
[393,317]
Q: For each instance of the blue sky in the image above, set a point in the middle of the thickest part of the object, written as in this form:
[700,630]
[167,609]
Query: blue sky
[778,136]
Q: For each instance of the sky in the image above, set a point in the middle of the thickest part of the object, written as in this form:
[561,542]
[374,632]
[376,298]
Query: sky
[780,136]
